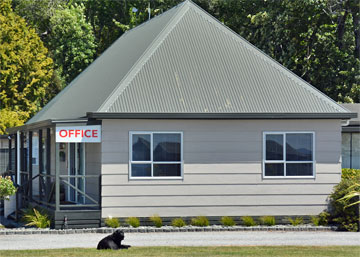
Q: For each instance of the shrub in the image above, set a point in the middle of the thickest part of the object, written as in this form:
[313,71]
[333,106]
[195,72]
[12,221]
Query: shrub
[227,221]
[341,212]
[315,220]
[156,220]
[297,221]
[37,218]
[2,226]
[200,221]
[133,221]
[248,221]
[349,173]
[7,188]
[268,220]
[178,222]
[112,222]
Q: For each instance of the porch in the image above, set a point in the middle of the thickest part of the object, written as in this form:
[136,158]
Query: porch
[62,178]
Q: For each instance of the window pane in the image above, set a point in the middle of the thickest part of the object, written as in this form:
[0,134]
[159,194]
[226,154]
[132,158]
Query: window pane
[299,147]
[274,147]
[355,154]
[141,170]
[274,169]
[167,170]
[167,147]
[140,147]
[299,169]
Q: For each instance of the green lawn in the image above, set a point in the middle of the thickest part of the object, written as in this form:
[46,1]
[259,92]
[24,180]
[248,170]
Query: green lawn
[273,251]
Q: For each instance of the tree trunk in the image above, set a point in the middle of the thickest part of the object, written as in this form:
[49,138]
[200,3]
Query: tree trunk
[356,24]
[341,29]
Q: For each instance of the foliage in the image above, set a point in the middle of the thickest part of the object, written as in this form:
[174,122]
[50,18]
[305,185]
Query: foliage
[25,68]
[37,218]
[321,220]
[133,221]
[297,221]
[112,222]
[349,173]
[7,188]
[227,221]
[343,209]
[9,118]
[268,220]
[156,220]
[72,41]
[248,221]
[178,222]
[200,221]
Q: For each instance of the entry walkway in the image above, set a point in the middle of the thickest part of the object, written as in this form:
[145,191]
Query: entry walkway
[44,241]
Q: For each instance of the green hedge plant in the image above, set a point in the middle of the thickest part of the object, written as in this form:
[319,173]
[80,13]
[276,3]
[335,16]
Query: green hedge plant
[268,220]
[200,221]
[297,221]
[343,209]
[227,221]
[112,222]
[178,222]
[156,220]
[248,221]
[133,221]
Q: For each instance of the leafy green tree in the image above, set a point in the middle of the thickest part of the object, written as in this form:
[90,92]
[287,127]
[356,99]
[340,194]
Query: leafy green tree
[72,41]
[25,69]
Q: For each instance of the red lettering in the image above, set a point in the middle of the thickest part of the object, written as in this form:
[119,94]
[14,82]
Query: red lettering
[71,132]
[77,132]
[94,133]
[61,133]
[86,133]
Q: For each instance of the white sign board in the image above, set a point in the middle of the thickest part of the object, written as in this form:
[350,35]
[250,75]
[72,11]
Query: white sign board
[78,134]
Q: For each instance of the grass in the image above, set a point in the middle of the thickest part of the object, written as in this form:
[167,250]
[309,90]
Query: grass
[272,251]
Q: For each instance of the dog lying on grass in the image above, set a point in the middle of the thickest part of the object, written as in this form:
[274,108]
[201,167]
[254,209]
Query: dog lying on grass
[113,241]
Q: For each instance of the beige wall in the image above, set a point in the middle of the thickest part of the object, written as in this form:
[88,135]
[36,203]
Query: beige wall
[222,170]
[93,167]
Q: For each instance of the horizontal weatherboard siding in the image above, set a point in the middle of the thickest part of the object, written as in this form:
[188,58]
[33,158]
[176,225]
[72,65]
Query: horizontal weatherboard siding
[222,170]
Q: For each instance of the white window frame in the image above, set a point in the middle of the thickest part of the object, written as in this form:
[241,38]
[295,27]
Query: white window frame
[284,133]
[151,133]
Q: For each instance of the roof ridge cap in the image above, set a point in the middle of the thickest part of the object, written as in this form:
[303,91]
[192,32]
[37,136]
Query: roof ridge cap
[122,85]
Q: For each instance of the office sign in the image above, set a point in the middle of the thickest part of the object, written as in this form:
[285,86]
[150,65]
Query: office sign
[78,134]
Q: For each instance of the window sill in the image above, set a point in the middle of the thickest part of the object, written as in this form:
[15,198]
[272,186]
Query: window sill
[156,178]
[288,177]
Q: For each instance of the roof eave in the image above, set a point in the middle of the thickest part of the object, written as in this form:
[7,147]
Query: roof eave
[44,123]
[106,115]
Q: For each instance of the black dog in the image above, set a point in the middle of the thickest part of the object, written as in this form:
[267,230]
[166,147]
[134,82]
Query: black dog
[113,241]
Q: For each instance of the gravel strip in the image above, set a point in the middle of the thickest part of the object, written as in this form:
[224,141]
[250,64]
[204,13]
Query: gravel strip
[26,231]
[221,238]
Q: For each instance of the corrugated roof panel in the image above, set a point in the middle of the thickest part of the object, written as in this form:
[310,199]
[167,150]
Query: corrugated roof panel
[201,66]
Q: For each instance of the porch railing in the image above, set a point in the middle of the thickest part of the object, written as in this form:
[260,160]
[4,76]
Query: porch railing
[51,190]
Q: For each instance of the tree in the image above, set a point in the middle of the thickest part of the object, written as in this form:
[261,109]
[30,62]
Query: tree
[25,69]
[72,41]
